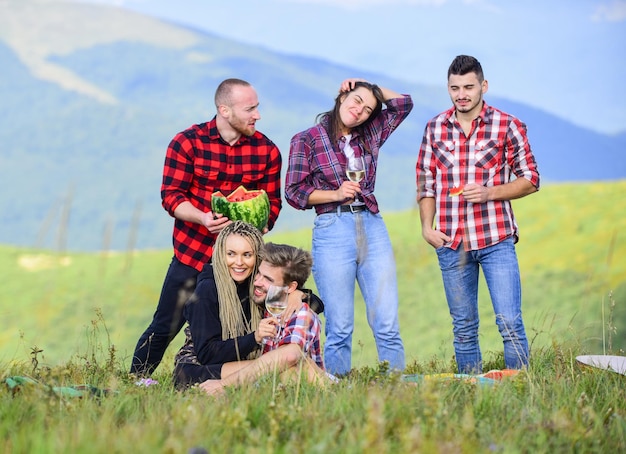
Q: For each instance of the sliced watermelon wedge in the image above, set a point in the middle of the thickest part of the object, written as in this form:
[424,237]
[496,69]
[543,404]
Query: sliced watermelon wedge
[252,206]
[455,192]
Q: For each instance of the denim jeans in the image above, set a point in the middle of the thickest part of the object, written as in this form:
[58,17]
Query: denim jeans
[460,279]
[348,247]
[167,320]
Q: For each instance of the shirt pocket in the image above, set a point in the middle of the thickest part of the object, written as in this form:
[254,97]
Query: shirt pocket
[444,153]
[488,154]
[252,175]
[205,174]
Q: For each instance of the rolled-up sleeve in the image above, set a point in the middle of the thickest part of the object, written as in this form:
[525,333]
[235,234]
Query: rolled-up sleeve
[522,160]
[425,168]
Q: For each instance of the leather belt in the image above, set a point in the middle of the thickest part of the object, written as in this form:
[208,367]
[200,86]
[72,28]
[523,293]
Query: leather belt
[351,208]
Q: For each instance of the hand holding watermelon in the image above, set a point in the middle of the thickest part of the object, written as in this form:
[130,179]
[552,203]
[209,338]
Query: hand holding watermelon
[475,193]
[456,191]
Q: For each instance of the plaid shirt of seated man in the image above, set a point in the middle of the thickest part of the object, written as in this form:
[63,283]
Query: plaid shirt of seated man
[303,328]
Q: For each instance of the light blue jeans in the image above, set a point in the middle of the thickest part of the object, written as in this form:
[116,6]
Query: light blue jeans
[460,279]
[349,247]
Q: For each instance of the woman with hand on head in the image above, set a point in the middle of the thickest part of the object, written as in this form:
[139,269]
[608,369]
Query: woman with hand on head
[350,239]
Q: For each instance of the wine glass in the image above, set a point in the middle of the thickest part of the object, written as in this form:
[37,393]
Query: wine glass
[355,172]
[276,302]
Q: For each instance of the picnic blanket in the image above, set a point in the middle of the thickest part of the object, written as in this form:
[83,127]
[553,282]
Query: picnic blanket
[489,378]
[611,363]
[17,382]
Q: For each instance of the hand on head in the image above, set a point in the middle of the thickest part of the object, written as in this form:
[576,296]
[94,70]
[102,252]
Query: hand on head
[348,84]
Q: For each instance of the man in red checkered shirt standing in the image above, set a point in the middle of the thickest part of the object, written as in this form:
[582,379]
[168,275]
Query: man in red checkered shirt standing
[221,154]
[474,159]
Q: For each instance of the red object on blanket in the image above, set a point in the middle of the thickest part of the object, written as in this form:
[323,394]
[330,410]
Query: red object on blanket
[500,374]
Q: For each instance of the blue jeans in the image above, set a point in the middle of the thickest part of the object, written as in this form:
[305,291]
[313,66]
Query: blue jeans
[349,247]
[460,279]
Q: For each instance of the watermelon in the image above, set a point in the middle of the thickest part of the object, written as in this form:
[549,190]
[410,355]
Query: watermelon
[456,191]
[251,206]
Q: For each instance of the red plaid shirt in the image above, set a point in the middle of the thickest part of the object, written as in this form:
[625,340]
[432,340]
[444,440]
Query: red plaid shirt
[303,329]
[496,151]
[199,162]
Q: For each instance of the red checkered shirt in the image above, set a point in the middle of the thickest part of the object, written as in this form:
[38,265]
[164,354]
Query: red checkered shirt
[199,162]
[303,329]
[496,151]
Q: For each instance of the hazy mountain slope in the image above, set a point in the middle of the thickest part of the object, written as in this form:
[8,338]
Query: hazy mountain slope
[92,95]
[567,153]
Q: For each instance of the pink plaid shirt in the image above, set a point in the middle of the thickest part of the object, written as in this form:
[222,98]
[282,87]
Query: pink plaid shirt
[316,161]
[496,151]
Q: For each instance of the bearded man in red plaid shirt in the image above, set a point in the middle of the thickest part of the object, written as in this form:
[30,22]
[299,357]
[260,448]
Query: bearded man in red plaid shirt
[221,154]
[474,159]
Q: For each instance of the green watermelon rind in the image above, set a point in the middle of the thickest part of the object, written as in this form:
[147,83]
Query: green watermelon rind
[254,211]
[219,204]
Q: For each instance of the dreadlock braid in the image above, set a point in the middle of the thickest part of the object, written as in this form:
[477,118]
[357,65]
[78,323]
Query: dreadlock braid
[231,311]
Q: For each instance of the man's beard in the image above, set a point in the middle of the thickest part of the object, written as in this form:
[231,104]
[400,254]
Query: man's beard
[259,303]
[242,127]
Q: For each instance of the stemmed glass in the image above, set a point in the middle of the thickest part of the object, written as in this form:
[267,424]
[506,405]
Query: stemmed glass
[276,303]
[355,172]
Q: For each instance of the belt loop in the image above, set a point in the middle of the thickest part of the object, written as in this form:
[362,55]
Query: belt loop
[339,210]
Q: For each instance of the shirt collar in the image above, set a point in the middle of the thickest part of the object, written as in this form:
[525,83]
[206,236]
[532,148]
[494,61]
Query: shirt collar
[214,133]
[485,115]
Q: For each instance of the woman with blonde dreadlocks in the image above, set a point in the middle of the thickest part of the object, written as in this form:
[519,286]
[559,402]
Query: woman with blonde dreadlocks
[225,314]
[224,324]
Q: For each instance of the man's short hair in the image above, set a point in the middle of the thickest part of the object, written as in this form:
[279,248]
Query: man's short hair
[464,64]
[225,89]
[295,262]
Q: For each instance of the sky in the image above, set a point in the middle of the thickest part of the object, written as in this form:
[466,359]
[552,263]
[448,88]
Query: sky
[563,56]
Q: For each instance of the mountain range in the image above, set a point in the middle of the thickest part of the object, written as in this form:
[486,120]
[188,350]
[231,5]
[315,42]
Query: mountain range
[91,96]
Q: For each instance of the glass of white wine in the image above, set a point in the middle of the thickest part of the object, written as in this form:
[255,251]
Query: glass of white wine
[276,302]
[355,172]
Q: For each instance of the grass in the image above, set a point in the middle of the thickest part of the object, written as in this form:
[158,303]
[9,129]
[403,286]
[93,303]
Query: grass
[74,318]
[554,406]
[571,259]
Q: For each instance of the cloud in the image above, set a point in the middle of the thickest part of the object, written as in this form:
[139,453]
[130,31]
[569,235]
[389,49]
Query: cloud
[610,12]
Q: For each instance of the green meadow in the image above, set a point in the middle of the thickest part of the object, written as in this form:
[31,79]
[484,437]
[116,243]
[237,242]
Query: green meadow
[71,320]
[571,253]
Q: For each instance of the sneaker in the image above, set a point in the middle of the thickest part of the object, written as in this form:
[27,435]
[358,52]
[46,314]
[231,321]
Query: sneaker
[331,377]
[146,382]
